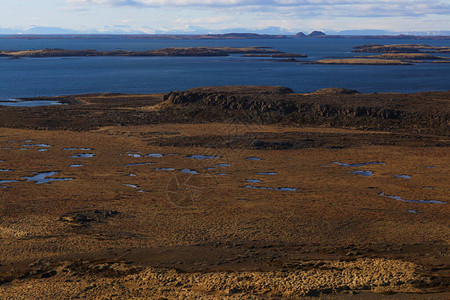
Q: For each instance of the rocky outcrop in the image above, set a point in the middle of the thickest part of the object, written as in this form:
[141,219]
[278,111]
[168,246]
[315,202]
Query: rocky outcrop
[252,98]
[336,106]
[426,112]
[400,48]
[317,34]
[190,51]
[335,91]
[300,35]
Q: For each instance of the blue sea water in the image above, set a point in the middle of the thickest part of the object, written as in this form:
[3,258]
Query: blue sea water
[28,77]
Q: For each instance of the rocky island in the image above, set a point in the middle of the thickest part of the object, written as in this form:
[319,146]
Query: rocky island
[190,51]
[401,48]
[402,54]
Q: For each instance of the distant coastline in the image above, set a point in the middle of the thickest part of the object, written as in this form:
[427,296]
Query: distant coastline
[314,34]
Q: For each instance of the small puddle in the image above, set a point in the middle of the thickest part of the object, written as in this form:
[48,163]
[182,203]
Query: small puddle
[6,181]
[428,187]
[83,155]
[76,166]
[140,164]
[222,174]
[210,169]
[5,170]
[20,103]
[413,211]
[267,173]
[164,169]
[154,155]
[362,173]
[188,171]
[42,150]
[80,149]
[147,155]
[413,201]
[254,180]
[41,178]
[253,158]
[27,141]
[223,165]
[283,189]
[431,167]
[403,176]
[131,175]
[37,145]
[135,186]
[359,164]
[202,157]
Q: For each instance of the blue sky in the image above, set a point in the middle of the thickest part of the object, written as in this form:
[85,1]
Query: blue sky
[151,16]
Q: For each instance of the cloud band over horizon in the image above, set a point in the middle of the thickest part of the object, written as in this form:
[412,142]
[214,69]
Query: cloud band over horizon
[166,15]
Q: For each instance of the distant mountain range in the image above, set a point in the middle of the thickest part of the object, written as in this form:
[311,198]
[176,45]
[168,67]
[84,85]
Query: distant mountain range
[195,30]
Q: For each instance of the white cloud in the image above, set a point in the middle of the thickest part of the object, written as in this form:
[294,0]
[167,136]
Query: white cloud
[304,8]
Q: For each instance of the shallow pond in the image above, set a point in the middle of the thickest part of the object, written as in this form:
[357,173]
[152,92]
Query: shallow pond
[83,155]
[202,157]
[188,171]
[398,198]
[283,189]
[362,173]
[41,178]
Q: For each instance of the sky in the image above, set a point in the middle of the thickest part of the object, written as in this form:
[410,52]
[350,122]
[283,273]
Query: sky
[209,16]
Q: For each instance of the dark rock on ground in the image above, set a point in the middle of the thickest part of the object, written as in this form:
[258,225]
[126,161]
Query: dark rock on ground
[84,217]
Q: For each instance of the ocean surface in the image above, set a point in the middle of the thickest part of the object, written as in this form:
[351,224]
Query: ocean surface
[28,77]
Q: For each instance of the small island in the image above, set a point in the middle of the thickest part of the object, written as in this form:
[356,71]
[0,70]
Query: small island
[362,61]
[400,48]
[188,51]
